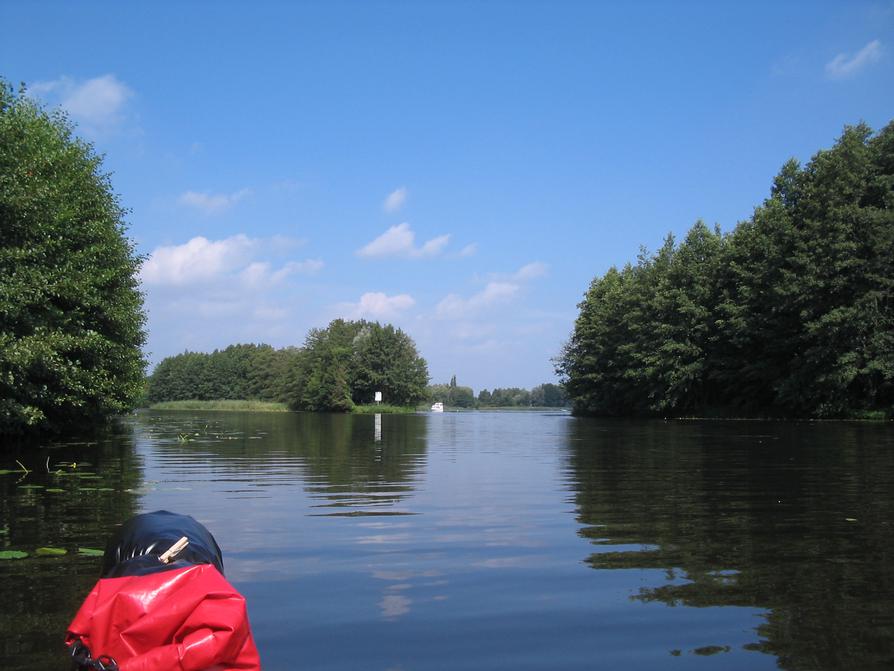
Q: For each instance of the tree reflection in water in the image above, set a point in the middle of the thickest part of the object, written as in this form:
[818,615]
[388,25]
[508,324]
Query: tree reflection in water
[794,518]
[76,492]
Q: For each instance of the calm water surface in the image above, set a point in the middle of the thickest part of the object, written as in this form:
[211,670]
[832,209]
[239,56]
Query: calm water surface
[487,540]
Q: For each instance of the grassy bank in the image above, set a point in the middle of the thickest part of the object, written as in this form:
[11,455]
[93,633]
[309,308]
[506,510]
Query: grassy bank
[382,408]
[222,405]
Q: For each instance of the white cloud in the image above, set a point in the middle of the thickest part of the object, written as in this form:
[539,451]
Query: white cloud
[400,240]
[501,289]
[255,274]
[844,66]
[454,306]
[469,250]
[531,271]
[306,267]
[198,260]
[202,261]
[96,103]
[377,305]
[260,273]
[212,203]
[395,200]
[434,246]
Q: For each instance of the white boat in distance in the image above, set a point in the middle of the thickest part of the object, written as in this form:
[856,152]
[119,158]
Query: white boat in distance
[437,407]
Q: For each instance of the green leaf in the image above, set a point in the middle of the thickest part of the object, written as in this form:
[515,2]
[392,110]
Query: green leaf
[50,552]
[12,554]
[90,552]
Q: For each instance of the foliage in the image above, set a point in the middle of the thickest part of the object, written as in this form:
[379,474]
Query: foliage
[452,394]
[385,359]
[383,409]
[71,315]
[338,367]
[348,361]
[546,395]
[791,314]
[244,372]
[222,405]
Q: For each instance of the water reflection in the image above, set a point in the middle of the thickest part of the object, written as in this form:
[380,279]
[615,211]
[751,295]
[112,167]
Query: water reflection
[75,493]
[489,540]
[355,474]
[351,464]
[792,518]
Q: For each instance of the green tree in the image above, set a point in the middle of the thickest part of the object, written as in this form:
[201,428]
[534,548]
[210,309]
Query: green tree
[792,314]
[385,359]
[548,395]
[348,361]
[71,313]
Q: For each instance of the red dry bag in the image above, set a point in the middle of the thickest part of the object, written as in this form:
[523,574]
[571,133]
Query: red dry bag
[145,614]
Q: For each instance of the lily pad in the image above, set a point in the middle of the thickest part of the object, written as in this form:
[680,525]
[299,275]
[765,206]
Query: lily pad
[55,490]
[90,552]
[50,552]
[12,554]
[6,471]
[30,486]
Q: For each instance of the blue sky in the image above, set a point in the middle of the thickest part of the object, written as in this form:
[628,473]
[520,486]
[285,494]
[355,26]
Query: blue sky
[462,170]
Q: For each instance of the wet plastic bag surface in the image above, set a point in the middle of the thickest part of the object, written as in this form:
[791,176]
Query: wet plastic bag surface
[150,616]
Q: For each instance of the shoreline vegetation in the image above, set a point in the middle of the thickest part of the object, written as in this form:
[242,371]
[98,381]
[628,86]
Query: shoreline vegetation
[234,405]
[227,405]
[788,316]
[337,368]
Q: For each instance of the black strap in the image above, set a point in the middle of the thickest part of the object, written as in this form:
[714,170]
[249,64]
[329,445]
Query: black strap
[83,660]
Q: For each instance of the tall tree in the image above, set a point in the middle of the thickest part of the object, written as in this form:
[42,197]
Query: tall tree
[71,313]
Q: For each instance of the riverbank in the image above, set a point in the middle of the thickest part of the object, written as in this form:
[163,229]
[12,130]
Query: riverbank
[382,409]
[222,405]
[232,405]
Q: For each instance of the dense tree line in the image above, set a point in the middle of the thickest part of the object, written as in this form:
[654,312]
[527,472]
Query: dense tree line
[338,367]
[791,314]
[545,395]
[256,372]
[71,314]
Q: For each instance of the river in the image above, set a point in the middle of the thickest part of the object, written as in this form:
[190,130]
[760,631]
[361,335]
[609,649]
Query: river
[486,540]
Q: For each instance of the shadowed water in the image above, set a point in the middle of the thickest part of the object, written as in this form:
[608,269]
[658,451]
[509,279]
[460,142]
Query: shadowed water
[487,540]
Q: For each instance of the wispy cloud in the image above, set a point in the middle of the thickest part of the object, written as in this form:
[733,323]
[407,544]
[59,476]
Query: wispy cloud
[400,240]
[845,65]
[469,250]
[530,271]
[501,289]
[395,200]
[455,307]
[97,104]
[212,203]
[262,274]
[376,305]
